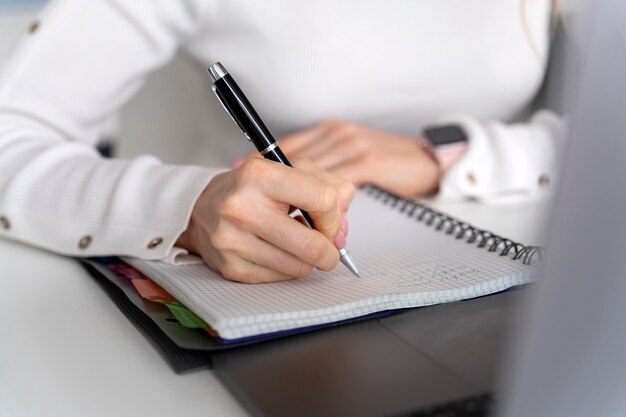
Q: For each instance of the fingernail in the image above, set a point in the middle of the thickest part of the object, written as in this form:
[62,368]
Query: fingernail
[345,228]
[238,162]
[340,240]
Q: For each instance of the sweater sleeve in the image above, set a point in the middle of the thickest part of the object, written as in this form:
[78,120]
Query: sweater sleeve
[506,160]
[513,161]
[78,63]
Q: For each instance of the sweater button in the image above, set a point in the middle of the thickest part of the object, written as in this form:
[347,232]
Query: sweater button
[34,27]
[155,242]
[84,242]
[4,222]
[471,178]
[543,181]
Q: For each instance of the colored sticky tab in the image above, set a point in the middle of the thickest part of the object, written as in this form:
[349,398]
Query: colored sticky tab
[125,270]
[149,290]
[185,316]
[212,332]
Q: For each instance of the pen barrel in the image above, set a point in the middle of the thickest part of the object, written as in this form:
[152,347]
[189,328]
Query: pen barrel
[238,106]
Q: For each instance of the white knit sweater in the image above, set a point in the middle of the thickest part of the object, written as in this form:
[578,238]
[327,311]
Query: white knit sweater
[391,65]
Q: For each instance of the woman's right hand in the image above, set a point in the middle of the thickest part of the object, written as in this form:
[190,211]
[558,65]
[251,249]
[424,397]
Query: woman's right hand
[241,227]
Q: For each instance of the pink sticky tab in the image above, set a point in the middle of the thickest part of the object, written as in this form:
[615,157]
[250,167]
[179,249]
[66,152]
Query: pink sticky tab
[126,271]
[151,291]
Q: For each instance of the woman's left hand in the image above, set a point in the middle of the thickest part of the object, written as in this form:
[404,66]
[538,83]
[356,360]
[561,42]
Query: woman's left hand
[366,156]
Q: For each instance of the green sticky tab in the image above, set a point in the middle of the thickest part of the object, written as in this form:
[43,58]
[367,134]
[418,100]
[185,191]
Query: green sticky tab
[185,316]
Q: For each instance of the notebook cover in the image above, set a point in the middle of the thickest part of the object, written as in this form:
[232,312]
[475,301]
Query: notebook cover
[181,360]
[184,359]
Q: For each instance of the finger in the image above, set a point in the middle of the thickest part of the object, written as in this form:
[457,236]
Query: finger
[345,188]
[307,245]
[265,254]
[295,187]
[228,251]
[304,141]
[319,140]
[319,146]
[343,151]
[404,186]
[356,171]
[346,194]
[241,270]
[337,140]
[296,142]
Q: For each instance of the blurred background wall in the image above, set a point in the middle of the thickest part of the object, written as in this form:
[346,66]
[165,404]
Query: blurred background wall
[14,17]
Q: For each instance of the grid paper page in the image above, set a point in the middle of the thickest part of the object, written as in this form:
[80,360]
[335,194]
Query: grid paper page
[403,263]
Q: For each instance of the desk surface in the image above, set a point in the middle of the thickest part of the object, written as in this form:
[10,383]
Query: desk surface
[111,369]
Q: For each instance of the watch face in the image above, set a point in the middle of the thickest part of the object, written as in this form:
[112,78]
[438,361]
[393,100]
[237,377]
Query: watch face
[445,135]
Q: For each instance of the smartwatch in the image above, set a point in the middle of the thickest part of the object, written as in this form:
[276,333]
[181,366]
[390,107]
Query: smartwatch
[446,144]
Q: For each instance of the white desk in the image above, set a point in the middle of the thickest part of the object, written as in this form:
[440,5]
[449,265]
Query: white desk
[66,350]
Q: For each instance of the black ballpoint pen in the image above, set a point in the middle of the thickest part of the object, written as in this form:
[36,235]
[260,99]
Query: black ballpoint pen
[239,108]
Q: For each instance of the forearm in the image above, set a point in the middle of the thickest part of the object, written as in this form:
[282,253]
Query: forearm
[62,196]
[502,160]
[58,88]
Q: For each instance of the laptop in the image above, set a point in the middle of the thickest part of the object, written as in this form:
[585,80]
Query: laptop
[554,349]
[386,367]
[569,356]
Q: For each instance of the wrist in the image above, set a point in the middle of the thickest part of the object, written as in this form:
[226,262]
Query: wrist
[184,241]
[187,239]
[445,144]
[447,156]
[430,174]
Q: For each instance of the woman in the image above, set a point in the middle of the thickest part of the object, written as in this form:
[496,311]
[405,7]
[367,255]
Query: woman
[381,71]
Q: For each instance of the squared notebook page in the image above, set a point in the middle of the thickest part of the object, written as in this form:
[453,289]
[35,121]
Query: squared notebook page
[403,263]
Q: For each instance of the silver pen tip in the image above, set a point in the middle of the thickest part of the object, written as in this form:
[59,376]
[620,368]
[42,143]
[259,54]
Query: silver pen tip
[346,259]
[217,71]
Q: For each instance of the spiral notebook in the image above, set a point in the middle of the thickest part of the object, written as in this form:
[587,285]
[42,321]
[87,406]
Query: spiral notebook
[408,256]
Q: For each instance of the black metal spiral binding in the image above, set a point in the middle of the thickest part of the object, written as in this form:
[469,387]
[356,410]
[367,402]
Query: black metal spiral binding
[457,228]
